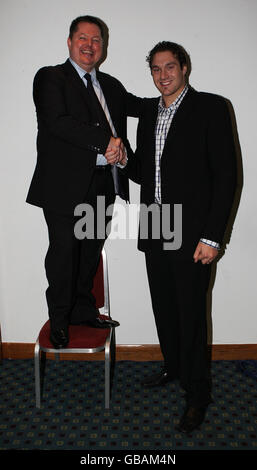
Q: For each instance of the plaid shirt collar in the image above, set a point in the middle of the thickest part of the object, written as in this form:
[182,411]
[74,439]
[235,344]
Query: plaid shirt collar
[175,104]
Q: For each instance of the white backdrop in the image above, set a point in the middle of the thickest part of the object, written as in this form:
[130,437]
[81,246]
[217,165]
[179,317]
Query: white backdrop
[220,37]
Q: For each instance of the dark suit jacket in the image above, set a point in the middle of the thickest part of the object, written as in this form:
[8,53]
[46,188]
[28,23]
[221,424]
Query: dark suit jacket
[69,139]
[198,165]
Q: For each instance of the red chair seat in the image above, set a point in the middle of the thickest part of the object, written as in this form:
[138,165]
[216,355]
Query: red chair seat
[81,336]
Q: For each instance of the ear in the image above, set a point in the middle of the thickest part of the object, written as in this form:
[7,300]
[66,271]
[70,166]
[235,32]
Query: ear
[184,70]
[69,42]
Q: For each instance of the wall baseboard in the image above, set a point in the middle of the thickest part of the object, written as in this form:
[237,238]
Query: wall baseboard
[142,352]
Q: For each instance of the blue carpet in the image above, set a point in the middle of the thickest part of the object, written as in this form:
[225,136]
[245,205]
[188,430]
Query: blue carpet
[73,417]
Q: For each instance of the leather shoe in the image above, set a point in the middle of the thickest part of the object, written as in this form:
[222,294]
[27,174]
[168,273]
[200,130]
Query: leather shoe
[156,380]
[59,338]
[191,419]
[102,323]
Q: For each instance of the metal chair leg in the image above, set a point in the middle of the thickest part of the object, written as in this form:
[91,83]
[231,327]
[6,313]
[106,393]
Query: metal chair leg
[37,356]
[110,351]
[107,384]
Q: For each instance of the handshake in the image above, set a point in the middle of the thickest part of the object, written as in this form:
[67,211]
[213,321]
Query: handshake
[116,152]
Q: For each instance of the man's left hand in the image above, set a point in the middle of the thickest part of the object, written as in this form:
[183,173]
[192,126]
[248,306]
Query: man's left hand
[205,253]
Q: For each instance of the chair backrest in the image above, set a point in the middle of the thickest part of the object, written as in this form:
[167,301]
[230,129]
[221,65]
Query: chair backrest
[101,284]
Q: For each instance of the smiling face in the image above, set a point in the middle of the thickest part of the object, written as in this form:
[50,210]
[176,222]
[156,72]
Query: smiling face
[168,76]
[86,45]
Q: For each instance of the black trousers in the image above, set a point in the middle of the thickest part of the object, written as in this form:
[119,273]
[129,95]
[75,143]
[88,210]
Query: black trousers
[178,288]
[71,263]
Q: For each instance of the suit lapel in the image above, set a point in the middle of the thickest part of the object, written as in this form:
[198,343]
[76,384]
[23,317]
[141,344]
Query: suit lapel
[105,88]
[109,97]
[182,115]
[76,81]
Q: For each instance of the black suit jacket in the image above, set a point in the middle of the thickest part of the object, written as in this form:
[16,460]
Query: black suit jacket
[69,139]
[198,165]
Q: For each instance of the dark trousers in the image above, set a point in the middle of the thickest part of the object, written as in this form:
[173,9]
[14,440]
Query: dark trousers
[178,288]
[71,263]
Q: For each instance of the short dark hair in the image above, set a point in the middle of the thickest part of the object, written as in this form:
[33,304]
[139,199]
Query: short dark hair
[178,51]
[85,19]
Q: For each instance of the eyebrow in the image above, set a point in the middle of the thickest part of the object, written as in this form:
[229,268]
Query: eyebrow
[168,63]
[95,35]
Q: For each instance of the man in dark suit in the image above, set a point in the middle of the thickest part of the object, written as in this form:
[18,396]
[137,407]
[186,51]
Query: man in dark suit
[185,155]
[81,115]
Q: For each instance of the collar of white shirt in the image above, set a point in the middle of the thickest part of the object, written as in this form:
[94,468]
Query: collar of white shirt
[82,72]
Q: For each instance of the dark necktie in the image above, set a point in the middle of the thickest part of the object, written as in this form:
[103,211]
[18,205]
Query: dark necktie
[98,112]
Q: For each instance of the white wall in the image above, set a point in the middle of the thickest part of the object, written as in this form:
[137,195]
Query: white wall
[221,38]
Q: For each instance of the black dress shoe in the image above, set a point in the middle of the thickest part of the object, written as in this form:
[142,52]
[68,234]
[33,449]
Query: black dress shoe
[59,338]
[100,323]
[191,419]
[157,380]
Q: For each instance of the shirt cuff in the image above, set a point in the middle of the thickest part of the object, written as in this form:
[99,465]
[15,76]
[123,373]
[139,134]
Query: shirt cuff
[210,243]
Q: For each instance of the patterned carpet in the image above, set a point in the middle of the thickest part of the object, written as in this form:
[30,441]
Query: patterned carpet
[72,415]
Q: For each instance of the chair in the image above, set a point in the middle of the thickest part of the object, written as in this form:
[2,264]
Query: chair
[82,338]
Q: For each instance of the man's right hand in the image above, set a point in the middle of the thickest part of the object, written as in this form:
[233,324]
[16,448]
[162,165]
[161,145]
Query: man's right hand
[115,151]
